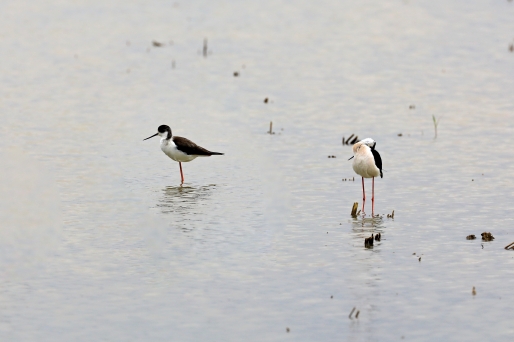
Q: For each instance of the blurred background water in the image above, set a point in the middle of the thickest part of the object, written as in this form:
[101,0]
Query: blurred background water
[98,240]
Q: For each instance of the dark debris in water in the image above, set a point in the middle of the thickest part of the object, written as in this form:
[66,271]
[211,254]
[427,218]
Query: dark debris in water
[510,246]
[331,156]
[471,237]
[351,140]
[266,100]
[412,106]
[351,313]
[487,236]
[473,291]
[368,242]
[391,215]
[270,128]
[287,329]
[354,209]
[156,43]
[378,237]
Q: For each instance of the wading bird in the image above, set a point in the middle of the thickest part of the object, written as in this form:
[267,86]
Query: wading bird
[367,164]
[180,149]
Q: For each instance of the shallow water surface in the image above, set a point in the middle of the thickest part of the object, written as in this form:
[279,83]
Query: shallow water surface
[99,241]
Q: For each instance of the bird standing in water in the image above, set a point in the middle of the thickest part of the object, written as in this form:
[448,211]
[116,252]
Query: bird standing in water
[180,149]
[367,164]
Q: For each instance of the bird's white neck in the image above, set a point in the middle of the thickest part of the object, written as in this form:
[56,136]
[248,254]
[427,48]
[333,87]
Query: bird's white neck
[165,141]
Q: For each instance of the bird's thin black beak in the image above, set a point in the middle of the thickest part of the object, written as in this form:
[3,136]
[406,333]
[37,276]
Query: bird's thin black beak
[351,157]
[151,136]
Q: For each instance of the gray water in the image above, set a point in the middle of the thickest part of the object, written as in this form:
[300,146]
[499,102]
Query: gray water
[98,240]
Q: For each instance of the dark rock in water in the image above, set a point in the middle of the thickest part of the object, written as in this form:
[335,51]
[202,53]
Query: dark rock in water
[471,237]
[487,236]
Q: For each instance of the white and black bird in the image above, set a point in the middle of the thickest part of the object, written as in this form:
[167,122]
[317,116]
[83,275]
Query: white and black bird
[180,149]
[367,164]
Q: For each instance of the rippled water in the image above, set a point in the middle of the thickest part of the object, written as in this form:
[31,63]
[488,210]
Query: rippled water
[99,241]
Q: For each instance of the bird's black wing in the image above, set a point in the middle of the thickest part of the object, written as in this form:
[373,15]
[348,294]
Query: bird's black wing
[378,161]
[190,148]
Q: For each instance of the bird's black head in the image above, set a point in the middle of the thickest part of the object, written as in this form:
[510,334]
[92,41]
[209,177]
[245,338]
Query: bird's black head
[164,129]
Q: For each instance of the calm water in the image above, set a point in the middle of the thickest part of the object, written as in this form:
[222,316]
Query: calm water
[98,241]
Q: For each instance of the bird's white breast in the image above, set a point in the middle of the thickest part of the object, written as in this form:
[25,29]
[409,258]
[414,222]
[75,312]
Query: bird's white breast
[170,149]
[364,163]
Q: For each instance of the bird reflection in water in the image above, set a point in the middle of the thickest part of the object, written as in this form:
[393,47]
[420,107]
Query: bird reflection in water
[183,199]
[186,203]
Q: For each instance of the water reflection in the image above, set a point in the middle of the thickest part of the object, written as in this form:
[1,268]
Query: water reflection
[183,199]
[363,226]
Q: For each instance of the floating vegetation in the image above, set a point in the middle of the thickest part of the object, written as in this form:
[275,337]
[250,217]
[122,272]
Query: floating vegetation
[487,236]
[351,140]
[471,237]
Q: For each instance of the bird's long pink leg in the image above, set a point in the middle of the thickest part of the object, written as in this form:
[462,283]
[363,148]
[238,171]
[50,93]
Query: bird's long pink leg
[363,195]
[181,174]
[373,196]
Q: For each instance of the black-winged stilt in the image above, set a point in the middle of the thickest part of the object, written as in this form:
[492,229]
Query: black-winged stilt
[367,164]
[180,149]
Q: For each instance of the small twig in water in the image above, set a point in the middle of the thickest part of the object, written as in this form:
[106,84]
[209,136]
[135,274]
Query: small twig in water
[205,47]
[510,246]
[351,313]
[271,128]
[436,123]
